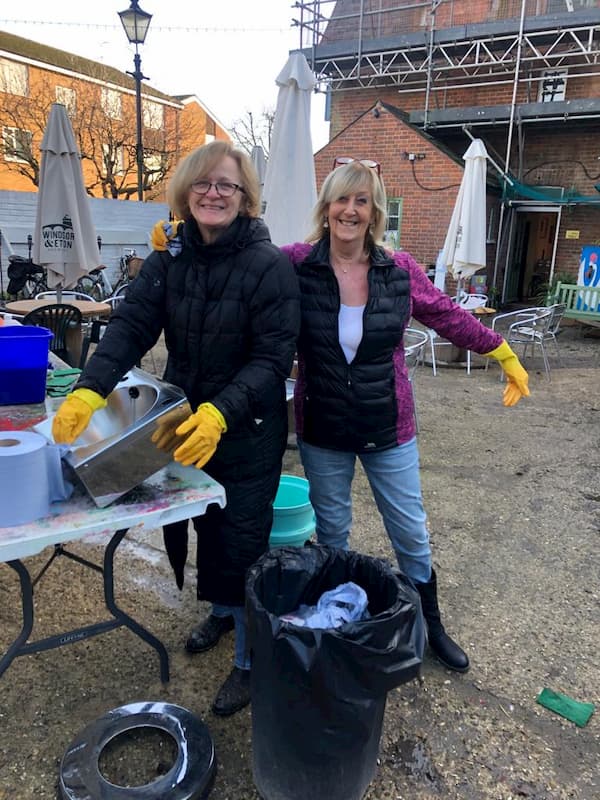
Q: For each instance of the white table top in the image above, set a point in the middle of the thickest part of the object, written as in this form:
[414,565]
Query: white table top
[171,494]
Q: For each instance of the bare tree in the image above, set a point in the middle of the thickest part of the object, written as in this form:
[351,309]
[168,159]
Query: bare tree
[106,142]
[254,129]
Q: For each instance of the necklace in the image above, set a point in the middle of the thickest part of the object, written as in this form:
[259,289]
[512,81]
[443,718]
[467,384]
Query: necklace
[343,269]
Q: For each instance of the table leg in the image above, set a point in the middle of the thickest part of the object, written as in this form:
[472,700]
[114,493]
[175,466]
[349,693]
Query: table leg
[21,646]
[27,604]
[125,619]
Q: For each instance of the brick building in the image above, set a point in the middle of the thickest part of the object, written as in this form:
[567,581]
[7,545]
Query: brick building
[100,101]
[410,83]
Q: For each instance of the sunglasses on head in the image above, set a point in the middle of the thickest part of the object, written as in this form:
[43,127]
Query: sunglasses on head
[366,162]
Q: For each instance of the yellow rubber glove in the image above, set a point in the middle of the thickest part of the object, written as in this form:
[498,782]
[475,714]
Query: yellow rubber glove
[163,233]
[206,427]
[164,437]
[74,415]
[517,377]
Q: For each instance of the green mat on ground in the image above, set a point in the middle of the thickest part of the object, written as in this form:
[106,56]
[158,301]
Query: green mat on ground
[573,710]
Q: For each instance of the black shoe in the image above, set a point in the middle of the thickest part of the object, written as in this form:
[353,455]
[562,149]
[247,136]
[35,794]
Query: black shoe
[450,654]
[444,648]
[234,694]
[208,633]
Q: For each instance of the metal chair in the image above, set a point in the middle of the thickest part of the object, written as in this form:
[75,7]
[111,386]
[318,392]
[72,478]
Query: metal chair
[97,326]
[68,295]
[536,330]
[64,321]
[468,302]
[414,346]
[530,327]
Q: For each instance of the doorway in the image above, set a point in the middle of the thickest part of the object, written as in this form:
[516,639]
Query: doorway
[530,261]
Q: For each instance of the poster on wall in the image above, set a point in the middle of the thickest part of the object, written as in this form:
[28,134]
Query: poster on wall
[589,275]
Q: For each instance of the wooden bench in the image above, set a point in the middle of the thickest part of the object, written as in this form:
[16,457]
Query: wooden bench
[583,302]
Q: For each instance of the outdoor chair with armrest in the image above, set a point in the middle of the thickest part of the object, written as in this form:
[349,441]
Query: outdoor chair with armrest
[414,346]
[97,326]
[66,295]
[469,302]
[97,329]
[529,327]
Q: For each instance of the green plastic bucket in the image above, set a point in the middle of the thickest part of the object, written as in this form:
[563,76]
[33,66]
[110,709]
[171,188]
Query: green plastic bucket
[293,515]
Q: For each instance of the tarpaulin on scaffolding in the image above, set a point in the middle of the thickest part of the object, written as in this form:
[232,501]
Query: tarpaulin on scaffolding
[513,191]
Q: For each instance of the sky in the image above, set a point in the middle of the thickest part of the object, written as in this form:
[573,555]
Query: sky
[228,53]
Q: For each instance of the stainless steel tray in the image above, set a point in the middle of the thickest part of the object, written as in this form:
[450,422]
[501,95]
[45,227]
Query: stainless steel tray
[115,452]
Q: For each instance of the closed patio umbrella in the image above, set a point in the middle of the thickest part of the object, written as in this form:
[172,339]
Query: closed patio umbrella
[260,165]
[64,238]
[290,189]
[464,248]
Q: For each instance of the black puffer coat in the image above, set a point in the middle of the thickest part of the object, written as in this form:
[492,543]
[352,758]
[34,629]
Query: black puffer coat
[230,315]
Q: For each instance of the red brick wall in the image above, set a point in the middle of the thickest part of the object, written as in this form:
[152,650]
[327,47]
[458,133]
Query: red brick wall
[377,21]
[347,105]
[425,214]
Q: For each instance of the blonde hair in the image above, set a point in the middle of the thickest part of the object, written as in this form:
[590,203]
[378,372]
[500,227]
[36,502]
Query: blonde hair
[350,179]
[198,164]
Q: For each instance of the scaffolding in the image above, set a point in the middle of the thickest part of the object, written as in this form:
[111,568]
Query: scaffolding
[365,44]
[432,48]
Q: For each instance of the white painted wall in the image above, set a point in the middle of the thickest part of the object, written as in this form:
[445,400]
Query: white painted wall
[122,224]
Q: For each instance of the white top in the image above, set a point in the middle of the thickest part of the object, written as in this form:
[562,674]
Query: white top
[350,329]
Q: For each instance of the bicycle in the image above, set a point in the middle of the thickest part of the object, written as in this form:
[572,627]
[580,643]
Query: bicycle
[25,277]
[96,283]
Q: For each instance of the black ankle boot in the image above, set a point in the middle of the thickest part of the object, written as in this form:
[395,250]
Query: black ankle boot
[206,635]
[445,649]
[234,694]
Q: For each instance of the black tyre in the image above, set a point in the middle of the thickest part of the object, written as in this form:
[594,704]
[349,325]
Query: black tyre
[120,288]
[91,287]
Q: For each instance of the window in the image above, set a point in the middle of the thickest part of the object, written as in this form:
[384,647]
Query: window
[211,130]
[152,115]
[153,167]
[13,78]
[16,144]
[113,160]
[553,86]
[111,103]
[68,98]
[394,221]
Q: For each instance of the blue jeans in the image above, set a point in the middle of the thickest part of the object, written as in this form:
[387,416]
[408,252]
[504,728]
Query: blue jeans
[394,478]
[241,658]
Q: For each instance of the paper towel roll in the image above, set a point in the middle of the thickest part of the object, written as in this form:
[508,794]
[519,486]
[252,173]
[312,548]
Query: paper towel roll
[24,490]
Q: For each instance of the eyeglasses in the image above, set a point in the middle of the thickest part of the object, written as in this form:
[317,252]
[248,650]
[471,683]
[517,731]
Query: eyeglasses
[222,188]
[366,162]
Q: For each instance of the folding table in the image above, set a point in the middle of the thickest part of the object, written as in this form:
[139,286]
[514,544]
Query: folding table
[173,493]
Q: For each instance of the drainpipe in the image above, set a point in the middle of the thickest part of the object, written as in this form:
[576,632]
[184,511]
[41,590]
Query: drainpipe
[508,149]
[434,5]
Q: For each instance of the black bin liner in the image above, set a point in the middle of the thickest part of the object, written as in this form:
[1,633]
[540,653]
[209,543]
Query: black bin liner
[318,696]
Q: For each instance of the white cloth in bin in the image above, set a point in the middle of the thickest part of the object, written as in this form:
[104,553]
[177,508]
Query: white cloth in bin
[346,603]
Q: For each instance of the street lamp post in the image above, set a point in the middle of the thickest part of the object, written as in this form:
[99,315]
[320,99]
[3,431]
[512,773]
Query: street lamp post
[136,23]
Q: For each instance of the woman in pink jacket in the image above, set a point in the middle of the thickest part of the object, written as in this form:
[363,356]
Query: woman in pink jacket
[353,398]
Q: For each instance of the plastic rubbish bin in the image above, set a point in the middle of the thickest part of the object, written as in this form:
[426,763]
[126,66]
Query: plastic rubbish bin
[318,696]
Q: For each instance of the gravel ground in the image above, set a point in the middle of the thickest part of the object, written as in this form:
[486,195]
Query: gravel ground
[513,503]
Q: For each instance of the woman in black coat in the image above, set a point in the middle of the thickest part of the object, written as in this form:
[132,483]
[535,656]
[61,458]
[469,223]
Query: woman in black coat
[229,308]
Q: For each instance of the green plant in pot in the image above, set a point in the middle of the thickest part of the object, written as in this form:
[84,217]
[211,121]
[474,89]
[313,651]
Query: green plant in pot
[546,294]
